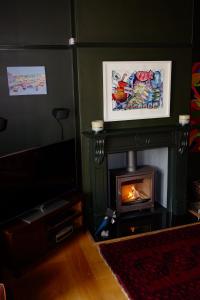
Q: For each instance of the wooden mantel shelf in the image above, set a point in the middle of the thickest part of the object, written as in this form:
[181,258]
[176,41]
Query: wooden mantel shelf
[119,140]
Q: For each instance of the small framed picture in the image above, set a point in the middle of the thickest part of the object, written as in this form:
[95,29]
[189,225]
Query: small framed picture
[26,80]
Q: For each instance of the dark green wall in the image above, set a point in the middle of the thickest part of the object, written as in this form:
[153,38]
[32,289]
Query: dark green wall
[129,31]
[134,21]
[35,22]
[104,30]
[30,119]
[36,34]
[91,81]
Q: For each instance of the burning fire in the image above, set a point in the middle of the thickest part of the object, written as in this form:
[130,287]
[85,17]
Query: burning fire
[129,193]
[133,193]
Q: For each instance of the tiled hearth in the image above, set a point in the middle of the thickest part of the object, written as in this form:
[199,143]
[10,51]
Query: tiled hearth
[104,189]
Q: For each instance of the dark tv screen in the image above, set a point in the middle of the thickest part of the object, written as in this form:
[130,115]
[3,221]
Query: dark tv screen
[30,178]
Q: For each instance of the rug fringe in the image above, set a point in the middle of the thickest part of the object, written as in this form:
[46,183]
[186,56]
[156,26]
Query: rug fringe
[115,277]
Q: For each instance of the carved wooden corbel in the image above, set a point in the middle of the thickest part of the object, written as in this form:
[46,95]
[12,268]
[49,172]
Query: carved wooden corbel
[99,149]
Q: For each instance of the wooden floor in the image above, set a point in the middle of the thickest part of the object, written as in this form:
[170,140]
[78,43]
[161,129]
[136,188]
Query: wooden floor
[75,271]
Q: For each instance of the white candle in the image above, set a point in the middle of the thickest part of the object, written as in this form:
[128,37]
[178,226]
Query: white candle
[72,41]
[97,125]
[184,119]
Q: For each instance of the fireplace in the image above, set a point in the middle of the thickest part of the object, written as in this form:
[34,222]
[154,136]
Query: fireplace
[132,189]
[104,176]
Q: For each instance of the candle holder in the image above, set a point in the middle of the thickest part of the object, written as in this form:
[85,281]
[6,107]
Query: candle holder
[184,119]
[97,125]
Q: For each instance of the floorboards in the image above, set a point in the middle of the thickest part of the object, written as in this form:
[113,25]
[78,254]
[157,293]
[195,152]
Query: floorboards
[74,271]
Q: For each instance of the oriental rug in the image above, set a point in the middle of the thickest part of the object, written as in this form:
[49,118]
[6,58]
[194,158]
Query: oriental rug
[161,266]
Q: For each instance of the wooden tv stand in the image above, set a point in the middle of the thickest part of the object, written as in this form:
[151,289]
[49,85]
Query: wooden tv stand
[31,236]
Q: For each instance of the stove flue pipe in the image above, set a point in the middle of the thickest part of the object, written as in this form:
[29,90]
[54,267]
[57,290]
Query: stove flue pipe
[131,161]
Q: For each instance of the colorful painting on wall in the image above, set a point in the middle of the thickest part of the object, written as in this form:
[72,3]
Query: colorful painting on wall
[26,81]
[195,102]
[136,90]
[194,140]
[194,137]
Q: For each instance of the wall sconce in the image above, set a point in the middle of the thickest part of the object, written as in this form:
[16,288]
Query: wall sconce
[60,113]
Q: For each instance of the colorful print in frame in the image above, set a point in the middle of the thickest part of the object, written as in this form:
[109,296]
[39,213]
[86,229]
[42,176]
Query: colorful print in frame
[26,80]
[136,89]
[195,102]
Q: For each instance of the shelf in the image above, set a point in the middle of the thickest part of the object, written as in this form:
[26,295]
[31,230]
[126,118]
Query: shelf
[62,219]
[25,242]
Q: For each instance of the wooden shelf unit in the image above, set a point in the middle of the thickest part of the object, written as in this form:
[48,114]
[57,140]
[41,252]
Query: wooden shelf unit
[24,242]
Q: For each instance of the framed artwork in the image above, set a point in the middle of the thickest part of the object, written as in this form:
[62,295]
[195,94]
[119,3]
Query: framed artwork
[194,140]
[195,101]
[136,90]
[26,81]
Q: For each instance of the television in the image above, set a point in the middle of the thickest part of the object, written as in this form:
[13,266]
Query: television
[30,178]
[38,149]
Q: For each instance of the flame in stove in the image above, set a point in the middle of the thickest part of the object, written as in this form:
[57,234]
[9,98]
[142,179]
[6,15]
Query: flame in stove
[130,193]
[133,193]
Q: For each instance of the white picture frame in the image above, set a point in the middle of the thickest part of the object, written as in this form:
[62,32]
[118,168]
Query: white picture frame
[135,90]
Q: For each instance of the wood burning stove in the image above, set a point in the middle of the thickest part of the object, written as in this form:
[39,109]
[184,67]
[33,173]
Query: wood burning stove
[132,189]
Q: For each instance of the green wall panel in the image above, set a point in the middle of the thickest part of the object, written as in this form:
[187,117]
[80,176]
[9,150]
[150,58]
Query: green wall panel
[90,78]
[145,21]
[30,119]
[35,22]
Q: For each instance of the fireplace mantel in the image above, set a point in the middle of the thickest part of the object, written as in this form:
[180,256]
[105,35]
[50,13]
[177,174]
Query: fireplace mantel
[175,138]
[113,141]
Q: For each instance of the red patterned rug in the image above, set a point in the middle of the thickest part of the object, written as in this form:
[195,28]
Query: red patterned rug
[161,266]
